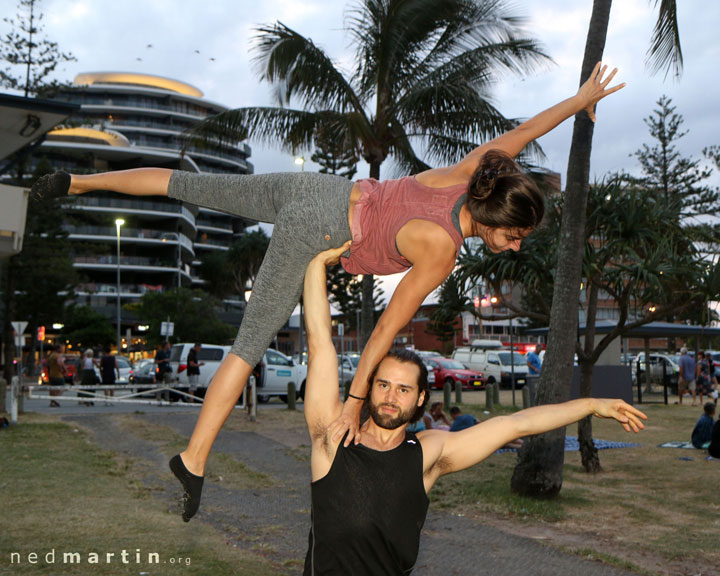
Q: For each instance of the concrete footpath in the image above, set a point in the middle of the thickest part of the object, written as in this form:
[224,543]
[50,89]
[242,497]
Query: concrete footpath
[275,520]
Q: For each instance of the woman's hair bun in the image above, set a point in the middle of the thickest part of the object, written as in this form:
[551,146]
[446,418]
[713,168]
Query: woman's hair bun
[493,164]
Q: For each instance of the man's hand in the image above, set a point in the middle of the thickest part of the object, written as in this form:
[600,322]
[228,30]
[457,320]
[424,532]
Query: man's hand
[627,415]
[349,421]
[595,88]
[332,256]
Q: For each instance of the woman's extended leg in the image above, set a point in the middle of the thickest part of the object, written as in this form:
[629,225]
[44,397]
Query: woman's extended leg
[276,291]
[138,182]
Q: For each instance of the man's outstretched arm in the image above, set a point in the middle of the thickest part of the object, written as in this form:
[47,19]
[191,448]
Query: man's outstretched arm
[447,452]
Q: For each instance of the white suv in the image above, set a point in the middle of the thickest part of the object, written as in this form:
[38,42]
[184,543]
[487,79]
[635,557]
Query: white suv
[495,364]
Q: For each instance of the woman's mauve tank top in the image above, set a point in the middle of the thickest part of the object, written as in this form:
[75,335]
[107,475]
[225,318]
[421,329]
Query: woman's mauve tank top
[383,209]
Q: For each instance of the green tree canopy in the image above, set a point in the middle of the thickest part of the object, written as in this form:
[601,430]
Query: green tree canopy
[636,253]
[192,311]
[85,327]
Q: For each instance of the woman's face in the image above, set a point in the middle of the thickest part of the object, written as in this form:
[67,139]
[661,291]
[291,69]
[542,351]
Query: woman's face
[502,239]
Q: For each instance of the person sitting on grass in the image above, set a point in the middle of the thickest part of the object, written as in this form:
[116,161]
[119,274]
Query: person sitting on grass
[461,421]
[702,433]
[370,498]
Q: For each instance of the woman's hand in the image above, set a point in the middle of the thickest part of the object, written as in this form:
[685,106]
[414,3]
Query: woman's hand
[349,421]
[627,415]
[595,88]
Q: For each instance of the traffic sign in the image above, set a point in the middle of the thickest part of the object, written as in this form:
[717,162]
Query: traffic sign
[19,327]
[167,328]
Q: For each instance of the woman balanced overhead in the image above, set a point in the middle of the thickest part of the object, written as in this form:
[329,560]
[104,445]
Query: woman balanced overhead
[417,223]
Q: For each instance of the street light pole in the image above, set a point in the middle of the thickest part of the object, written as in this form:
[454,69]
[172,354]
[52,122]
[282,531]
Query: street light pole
[119,222]
[179,255]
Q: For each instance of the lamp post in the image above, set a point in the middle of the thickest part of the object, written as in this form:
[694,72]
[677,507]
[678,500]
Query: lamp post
[300,161]
[119,222]
[179,255]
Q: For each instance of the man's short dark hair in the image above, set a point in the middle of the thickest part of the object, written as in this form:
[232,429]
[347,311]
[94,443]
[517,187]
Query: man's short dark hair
[709,408]
[407,357]
[197,344]
[454,411]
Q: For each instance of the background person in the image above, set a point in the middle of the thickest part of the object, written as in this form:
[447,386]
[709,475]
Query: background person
[109,369]
[164,370]
[461,421]
[686,378]
[56,372]
[369,500]
[440,420]
[87,376]
[703,431]
[702,377]
[193,368]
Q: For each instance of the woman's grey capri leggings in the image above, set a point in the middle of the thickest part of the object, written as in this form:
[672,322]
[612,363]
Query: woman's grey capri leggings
[310,213]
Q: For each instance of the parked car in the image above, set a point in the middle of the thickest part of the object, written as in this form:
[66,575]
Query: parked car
[276,372]
[660,365]
[495,364]
[430,374]
[447,371]
[145,374]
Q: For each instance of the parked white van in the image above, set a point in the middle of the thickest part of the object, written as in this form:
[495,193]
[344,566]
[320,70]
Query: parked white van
[494,363]
[276,369]
[211,354]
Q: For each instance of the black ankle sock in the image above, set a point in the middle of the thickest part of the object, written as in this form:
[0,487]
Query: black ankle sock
[51,186]
[192,485]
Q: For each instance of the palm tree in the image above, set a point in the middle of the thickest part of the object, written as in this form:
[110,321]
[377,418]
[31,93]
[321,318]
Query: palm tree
[539,469]
[423,72]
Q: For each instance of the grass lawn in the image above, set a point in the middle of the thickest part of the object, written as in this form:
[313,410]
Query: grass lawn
[651,509]
[61,493]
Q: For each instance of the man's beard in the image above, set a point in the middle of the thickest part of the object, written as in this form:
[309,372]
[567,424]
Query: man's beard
[387,421]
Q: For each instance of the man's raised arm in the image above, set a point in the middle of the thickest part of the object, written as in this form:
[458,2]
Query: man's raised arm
[322,396]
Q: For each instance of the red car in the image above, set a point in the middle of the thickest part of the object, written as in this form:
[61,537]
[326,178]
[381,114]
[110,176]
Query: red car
[451,371]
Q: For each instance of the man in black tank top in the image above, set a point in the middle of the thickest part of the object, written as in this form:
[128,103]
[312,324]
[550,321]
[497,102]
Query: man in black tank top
[369,497]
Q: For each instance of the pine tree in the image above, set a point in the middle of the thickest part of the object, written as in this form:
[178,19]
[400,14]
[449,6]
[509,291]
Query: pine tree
[32,58]
[676,179]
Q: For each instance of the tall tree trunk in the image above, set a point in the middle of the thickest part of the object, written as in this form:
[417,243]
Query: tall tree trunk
[367,315]
[588,452]
[540,462]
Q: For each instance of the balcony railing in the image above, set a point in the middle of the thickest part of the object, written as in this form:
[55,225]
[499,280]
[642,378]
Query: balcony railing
[126,261]
[100,289]
[130,204]
[126,233]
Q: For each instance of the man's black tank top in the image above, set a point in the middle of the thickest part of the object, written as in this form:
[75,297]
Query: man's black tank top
[368,511]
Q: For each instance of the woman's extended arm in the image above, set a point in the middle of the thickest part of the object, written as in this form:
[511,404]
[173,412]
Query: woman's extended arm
[592,91]
[427,273]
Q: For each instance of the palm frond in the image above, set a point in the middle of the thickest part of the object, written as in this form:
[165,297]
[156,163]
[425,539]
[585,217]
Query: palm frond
[665,51]
[297,67]
[292,129]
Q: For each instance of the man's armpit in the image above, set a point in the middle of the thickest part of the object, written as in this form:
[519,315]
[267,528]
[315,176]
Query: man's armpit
[320,437]
[440,467]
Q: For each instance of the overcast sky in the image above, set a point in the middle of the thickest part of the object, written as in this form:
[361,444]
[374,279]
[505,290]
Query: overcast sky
[178,39]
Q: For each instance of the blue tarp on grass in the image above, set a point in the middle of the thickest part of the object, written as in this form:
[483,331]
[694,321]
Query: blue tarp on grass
[572,445]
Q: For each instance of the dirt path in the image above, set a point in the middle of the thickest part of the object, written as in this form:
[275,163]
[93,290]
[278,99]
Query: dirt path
[274,520]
